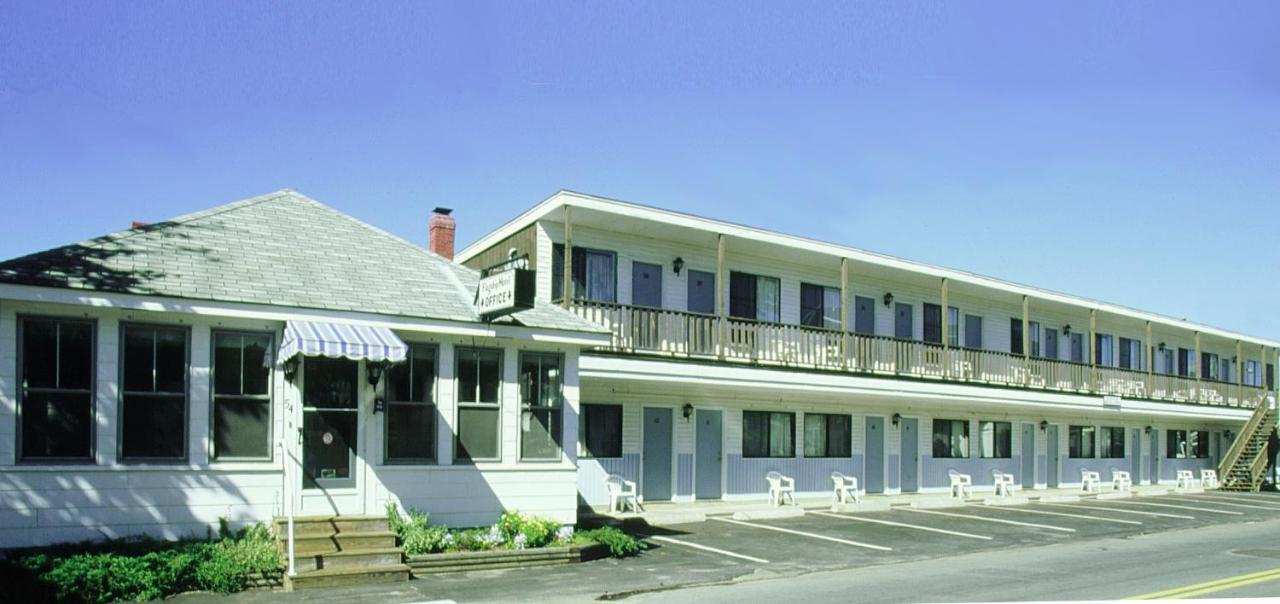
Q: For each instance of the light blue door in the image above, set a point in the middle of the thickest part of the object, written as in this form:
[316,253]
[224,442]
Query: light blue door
[646,284]
[709,453]
[655,481]
[1028,456]
[902,321]
[875,455]
[1154,460]
[1051,433]
[910,448]
[1135,456]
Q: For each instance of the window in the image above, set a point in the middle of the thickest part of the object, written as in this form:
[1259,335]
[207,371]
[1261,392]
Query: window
[1112,442]
[1209,366]
[820,306]
[1104,354]
[932,323]
[754,297]
[827,435]
[1186,360]
[1187,444]
[56,405]
[1252,377]
[768,434]
[1034,326]
[479,386]
[241,395]
[1081,441]
[153,411]
[411,407]
[996,439]
[950,438]
[541,405]
[594,274]
[953,326]
[600,431]
[1169,366]
[1271,376]
[972,331]
[1015,336]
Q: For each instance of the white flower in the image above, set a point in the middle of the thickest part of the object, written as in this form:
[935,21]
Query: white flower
[521,541]
[564,533]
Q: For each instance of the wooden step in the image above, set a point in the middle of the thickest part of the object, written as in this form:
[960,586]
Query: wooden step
[355,541]
[324,525]
[370,558]
[336,577]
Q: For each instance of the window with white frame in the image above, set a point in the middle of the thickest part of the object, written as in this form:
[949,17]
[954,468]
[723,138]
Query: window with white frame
[411,407]
[827,435]
[1112,445]
[241,395]
[768,434]
[479,378]
[153,399]
[55,404]
[541,405]
[1081,442]
[820,306]
[995,439]
[950,438]
[595,274]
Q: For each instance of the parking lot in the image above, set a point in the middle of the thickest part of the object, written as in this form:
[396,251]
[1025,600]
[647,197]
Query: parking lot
[821,540]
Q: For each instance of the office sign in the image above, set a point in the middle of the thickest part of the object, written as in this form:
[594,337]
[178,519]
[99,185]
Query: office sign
[504,292]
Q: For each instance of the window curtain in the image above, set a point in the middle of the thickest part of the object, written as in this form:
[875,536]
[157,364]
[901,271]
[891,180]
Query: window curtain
[831,308]
[815,435]
[811,310]
[601,278]
[768,294]
[755,430]
[781,435]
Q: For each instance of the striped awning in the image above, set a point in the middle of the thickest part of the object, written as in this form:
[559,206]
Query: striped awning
[341,340]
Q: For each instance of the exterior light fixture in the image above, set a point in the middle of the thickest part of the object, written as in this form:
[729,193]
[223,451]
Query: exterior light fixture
[677,264]
[897,419]
[373,371]
[888,298]
[1146,430]
[1066,329]
[1161,347]
[291,369]
[687,410]
[1043,425]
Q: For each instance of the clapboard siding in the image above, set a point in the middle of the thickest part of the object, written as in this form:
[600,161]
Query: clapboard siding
[592,473]
[524,241]
[746,475]
[684,474]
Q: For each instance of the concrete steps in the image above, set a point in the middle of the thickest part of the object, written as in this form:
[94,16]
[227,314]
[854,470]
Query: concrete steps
[331,551]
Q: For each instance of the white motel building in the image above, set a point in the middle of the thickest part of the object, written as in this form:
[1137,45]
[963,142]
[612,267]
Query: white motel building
[275,356]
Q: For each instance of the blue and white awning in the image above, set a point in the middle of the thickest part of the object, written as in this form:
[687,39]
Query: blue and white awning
[341,340]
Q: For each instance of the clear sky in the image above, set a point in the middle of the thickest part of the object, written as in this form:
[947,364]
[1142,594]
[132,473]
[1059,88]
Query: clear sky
[1124,151]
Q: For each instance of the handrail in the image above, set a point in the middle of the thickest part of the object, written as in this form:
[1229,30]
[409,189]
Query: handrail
[670,332]
[1237,447]
[286,504]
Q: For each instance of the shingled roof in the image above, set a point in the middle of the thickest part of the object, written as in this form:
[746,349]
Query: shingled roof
[281,249]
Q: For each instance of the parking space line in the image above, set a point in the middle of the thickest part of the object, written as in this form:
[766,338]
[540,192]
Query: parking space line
[1180,507]
[1069,515]
[901,524]
[997,520]
[1113,510]
[1219,501]
[1263,502]
[705,548]
[804,534]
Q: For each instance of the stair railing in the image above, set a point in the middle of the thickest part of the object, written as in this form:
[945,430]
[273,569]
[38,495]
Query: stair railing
[286,503]
[1242,440]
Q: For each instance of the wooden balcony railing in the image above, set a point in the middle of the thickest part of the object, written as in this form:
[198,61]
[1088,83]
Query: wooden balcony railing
[663,332]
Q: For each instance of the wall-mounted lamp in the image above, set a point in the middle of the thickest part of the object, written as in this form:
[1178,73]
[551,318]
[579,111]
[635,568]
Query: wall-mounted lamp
[373,371]
[291,369]
[888,298]
[1043,425]
[1066,330]
[687,410]
[1161,347]
[677,264]
[897,419]
[1228,434]
[1146,430]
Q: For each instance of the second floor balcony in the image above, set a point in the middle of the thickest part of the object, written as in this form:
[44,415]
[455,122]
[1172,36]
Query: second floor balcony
[667,333]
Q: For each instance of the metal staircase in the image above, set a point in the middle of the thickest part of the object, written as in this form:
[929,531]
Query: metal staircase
[1245,463]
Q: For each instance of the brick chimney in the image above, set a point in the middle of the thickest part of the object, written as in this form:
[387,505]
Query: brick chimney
[440,232]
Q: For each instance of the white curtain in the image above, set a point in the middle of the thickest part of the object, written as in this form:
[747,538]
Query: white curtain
[768,294]
[601,277]
[831,308]
[781,435]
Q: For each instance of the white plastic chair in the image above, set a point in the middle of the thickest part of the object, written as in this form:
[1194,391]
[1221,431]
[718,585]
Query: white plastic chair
[1090,481]
[961,484]
[1120,480]
[780,488]
[1209,479]
[1003,482]
[846,488]
[622,491]
[1186,479]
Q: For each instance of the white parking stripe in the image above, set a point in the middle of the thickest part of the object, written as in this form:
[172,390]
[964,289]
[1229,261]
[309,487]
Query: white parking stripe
[1113,510]
[708,549]
[901,524]
[1179,507]
[1267,502]
[1219,501]
[804,534]
[998,520]
[1026,511]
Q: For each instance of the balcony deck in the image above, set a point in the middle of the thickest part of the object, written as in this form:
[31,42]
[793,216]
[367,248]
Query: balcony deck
[679,334]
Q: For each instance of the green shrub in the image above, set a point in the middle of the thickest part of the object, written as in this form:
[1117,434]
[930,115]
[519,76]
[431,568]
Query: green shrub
[619,543]
[415,533]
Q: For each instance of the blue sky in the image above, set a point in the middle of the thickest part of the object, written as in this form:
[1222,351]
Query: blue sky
[1124,151]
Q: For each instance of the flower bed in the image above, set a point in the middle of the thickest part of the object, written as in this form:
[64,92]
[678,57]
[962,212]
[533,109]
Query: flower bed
[430,564]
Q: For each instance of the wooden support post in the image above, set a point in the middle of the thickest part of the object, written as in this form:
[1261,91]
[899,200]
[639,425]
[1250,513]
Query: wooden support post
[1196,367]
[845,339]
[1239,372]
[720,289]
[566,282]
[946,330]
[1026,340]
[1151,362]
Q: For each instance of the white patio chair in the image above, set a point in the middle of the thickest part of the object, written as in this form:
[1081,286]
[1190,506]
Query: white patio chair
[1090,481]
[622,492]
[1186,479]
[1120,480]
[1004,483]
[1209,479]
[961,484]
[846,488]
[780,488]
